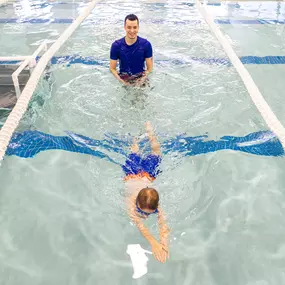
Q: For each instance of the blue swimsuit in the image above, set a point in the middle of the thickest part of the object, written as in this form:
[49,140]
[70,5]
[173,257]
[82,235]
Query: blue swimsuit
[136,165]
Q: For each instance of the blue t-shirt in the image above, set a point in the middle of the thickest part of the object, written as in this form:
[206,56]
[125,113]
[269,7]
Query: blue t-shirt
[131,57]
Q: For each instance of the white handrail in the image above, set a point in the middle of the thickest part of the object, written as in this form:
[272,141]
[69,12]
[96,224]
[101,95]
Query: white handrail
[14,58]
[22,103]
[29,61]
[257,98]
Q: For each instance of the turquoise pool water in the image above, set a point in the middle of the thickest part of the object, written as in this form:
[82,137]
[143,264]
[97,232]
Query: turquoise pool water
[62,215]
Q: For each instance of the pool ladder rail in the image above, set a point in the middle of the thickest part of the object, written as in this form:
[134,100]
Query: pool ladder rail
[8,97]
[15,72]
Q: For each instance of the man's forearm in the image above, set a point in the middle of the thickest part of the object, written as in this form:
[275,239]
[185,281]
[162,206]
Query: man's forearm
[148,71]
[115,73]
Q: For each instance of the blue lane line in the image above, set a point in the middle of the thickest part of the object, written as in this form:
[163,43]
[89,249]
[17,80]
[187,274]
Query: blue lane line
[47,4]
[98,21]
[263,59]
[249,22]
[89,60]
[235,5]
[36,21]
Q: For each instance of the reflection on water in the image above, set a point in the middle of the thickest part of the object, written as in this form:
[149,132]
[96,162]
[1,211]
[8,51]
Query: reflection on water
[135,97]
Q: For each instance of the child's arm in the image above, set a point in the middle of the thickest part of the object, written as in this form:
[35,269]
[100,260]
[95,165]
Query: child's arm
[142,228]
[159,250]
[163,229]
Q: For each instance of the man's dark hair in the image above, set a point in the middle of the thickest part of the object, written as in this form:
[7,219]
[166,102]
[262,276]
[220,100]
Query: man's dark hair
[131,17]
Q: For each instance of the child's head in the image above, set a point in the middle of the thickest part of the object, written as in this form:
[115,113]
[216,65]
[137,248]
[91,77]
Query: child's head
[148,199]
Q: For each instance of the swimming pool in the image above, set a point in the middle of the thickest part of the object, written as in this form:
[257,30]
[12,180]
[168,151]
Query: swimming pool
[63,219]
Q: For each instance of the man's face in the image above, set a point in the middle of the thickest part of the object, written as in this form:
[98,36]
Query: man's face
[131,28]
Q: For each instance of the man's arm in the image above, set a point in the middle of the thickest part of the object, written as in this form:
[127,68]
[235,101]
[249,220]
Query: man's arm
[148,55]
[114,56]
[113,69]
[149,65]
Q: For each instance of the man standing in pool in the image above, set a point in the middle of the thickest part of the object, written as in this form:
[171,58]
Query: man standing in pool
[141,198]
[132,52]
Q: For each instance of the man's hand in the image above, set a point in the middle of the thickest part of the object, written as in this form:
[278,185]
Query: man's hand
[159,251]
[113,64]
[141,81]
[125,83]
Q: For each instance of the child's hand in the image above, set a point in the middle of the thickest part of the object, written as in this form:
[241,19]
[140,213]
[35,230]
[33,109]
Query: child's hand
[159,251]
[165,246]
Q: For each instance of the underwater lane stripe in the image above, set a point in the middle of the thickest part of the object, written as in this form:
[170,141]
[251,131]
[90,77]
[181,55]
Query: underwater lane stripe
[30,143]
[35,21]
[158,21]
[90,60]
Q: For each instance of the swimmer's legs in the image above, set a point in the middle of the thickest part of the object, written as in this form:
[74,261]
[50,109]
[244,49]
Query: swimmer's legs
[135,147]
[155,145]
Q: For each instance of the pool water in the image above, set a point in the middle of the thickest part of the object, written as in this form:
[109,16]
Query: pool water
[63,218]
